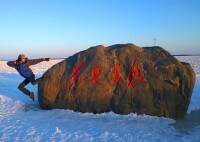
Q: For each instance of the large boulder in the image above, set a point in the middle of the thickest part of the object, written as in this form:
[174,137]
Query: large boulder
[122,78]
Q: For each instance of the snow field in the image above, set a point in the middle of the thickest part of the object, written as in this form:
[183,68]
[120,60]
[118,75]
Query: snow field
[23,120]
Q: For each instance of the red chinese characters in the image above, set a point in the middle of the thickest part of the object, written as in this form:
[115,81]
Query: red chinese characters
[134,76]
[95,74]
[134,72]
[74,79]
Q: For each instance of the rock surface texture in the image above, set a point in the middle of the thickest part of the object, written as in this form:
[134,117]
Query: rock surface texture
[122,78]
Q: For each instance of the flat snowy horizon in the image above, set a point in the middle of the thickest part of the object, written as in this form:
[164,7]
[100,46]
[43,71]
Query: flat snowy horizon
[24,120]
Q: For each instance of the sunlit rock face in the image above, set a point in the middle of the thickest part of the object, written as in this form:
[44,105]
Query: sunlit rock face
[122,78]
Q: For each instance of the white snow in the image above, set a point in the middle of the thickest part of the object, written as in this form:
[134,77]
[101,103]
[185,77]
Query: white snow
[23,120]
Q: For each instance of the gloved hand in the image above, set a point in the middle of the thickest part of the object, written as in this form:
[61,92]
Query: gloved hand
[15,62]
[46,59]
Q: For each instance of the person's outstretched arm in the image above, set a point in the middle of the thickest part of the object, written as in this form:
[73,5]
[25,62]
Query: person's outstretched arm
[36,61]
[12,64]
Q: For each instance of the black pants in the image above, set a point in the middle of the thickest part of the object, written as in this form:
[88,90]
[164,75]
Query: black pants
[27,81]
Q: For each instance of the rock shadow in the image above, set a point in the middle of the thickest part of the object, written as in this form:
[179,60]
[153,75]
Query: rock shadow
[189,123]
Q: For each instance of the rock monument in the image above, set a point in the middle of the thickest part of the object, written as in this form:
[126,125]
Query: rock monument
[122,78]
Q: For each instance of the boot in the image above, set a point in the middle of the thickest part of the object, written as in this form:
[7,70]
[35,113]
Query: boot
[31,95]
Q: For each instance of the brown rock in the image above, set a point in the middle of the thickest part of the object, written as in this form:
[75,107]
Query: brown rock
[121,78]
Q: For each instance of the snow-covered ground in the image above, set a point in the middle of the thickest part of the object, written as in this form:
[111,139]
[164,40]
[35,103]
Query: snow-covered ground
[23,120]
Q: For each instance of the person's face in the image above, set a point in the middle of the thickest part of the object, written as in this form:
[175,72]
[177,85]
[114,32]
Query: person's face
[23,60]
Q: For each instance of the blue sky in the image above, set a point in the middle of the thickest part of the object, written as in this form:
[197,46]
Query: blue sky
[60,28]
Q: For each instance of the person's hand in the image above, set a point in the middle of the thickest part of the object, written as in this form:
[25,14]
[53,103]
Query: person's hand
[15,62]
[46,59]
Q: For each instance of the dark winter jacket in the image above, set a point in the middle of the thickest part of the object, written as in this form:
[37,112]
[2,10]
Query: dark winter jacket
[23,68]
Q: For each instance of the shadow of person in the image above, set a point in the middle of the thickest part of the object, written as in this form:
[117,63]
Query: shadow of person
[189,123]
